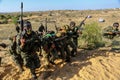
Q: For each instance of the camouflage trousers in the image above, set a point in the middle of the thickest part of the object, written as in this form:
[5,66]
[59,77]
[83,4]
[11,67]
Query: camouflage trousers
[60,48]
[73,46]
[16,58]
[75,41]
[49,57]
[30,60]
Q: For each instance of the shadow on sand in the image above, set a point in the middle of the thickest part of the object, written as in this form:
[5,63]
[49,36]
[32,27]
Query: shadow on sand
[65,71]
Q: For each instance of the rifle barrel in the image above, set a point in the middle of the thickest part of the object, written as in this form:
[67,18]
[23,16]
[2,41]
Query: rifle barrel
[21,22]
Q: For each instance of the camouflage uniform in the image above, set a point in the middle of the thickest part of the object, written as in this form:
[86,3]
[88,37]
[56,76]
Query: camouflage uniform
[75,35]
[13,50]
[41,31]
[74,30]
[50,53]
[41,28]
[29,44]
[16,56]
[70,41]
[111,31]
[40,34]
[26,44]
[67,50]
[65,41]
[59,43]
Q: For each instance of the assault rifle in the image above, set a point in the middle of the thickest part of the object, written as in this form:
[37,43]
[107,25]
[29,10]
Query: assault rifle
[112,34]
[21,17]
[48,21]
[83,21]
[61,38]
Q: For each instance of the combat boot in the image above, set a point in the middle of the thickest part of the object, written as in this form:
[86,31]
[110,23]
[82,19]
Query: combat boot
[20,68]
[34,76]
[67,59]
[52,62]
[73,53]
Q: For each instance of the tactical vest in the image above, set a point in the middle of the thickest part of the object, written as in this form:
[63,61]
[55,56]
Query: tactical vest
[75,33]
[32,42]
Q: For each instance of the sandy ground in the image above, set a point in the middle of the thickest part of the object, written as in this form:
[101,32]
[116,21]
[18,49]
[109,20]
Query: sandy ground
[99,64]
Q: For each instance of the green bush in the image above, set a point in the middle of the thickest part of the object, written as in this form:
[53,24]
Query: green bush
[14,20]
[5,21]
[2,16]
[92,36]
[8,16]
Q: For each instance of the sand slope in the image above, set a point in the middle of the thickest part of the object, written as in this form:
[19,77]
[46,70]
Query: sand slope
[87,65]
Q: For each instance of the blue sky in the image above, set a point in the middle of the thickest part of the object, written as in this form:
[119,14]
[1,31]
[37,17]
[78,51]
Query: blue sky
[41,5]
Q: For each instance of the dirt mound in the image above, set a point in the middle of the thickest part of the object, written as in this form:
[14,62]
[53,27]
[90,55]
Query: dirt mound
[87,65]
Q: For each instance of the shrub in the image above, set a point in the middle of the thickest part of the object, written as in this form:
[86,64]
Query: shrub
[92,36]
[5,21]
[14,20]
[2,17]
[8,16]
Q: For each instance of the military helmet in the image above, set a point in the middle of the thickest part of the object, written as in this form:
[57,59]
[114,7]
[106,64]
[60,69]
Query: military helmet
[72,23]
[116,24]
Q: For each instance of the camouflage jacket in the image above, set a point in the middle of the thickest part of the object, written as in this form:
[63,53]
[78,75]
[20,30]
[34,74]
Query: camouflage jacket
[28,43]
[110,29]
[73,32]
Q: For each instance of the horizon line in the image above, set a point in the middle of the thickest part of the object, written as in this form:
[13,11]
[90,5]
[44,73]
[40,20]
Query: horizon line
[60,10]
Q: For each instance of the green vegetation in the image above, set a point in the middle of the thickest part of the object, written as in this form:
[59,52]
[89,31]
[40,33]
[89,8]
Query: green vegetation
[2,16]
[4,19]
[14,20]
[91,36]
